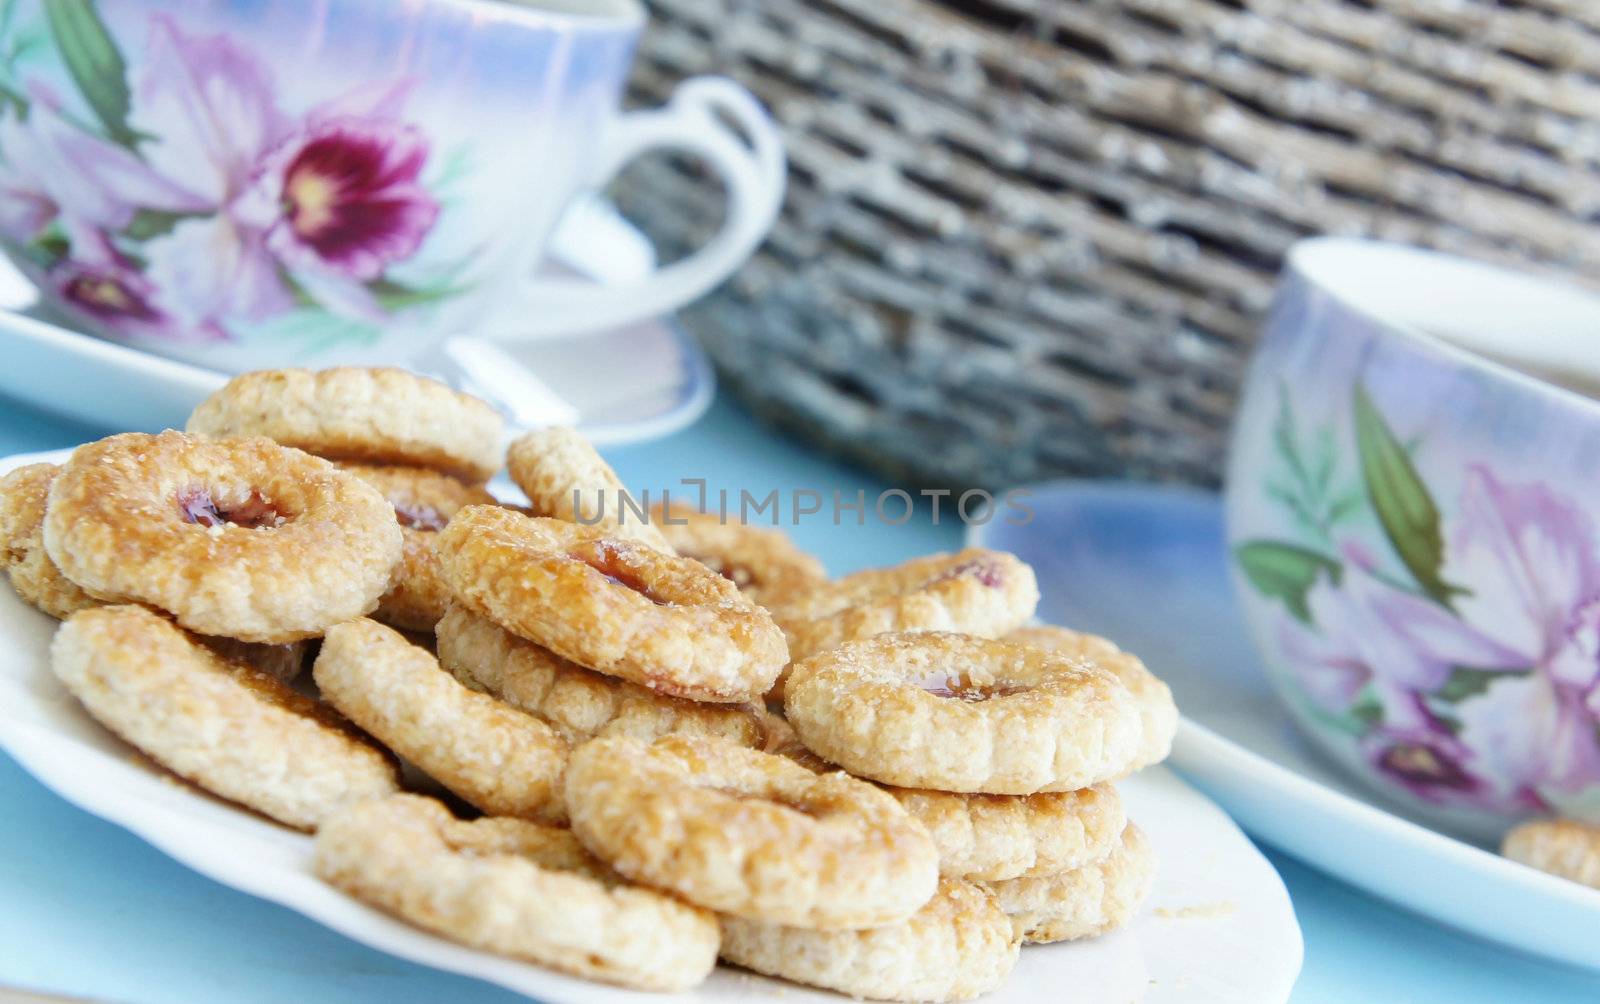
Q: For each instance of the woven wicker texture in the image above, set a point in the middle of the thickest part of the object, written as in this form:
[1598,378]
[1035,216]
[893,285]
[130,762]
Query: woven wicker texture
[1026,238]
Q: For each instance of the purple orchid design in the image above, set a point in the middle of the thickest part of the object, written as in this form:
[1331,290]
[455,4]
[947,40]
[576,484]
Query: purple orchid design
[1372,633]
[1525,620]
[264,210]
[352,202]
[1529,558]
[56,172]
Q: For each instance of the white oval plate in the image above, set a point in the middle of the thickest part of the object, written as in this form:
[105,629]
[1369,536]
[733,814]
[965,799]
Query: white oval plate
[1148,567]
[1218,927]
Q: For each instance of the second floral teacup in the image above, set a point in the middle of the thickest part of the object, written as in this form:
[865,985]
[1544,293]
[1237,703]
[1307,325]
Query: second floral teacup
[1414,517]
[247,184]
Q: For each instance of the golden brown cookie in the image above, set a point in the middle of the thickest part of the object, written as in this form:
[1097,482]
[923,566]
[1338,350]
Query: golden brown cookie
[959,945]
[976,592]
[952,712]
[239,538]
[1563,847]
[580,703]
[748,833]
[23,495]
[764,563]
[1156,707]
[565,478]
[423,503]
[516,888]
[1083,903]
[374,416]
[500,760]
[663,622]
[992,837]
[229,728]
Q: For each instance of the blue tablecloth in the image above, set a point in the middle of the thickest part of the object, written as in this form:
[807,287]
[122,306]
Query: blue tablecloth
[87,909]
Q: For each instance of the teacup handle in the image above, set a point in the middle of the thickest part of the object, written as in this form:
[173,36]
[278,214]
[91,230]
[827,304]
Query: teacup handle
[752,170]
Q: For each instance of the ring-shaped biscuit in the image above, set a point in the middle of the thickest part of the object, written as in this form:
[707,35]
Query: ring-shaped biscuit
[565,477]
[423,503]
[988,838]
[1085,902]
[1156,708]
[375,416]
[958,946]
[748,833]
[24,494]
[975,591]
[664,622]
[580,703]
[956,713]
[240,538]
[221,724]
[516,888]
[1563,847]
[498,759]
[764,563]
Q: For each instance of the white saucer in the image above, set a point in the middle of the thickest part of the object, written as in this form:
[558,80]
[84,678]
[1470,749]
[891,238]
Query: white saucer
[1218,927]
[654,379]
[1147,567]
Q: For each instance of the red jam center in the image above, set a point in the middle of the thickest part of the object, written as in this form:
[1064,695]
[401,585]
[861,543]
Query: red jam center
[419,517]
[606,558]
[941,684]
[254,513]
[986,572]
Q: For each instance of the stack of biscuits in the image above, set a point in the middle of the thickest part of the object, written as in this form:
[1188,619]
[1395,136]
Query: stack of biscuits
[617,747]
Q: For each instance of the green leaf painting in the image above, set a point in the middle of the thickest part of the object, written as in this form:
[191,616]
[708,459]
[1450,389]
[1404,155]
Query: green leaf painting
[1465,682]
[1285,572]
[1404,508]
[95,64]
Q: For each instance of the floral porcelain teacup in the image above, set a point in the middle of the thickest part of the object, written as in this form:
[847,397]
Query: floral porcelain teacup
[1414,521]
[243,183]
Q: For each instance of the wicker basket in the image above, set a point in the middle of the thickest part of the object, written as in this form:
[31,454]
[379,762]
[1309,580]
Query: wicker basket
[1028,238]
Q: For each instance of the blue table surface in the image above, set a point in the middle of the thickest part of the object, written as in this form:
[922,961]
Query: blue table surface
[90,910]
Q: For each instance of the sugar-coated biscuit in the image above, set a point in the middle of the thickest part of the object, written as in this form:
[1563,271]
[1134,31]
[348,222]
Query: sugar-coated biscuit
[1563,847]
[763,562]
[580,703]
[517,888]
[229,728]
[502,761]
[975,591]
[375,415]
[1156,707]
[1085,902]
[423,503]
[24,493]
[992,837]
[615,606]
[748,833]
[239,538]
[565,478]
[958,946]
[952,712]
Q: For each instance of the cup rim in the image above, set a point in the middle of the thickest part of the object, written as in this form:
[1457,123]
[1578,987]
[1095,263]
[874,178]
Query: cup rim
[1314,257]
[623,15]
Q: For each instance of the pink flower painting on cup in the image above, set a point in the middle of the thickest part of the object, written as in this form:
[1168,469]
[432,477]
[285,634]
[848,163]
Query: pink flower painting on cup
[202,199]
[1459,647]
